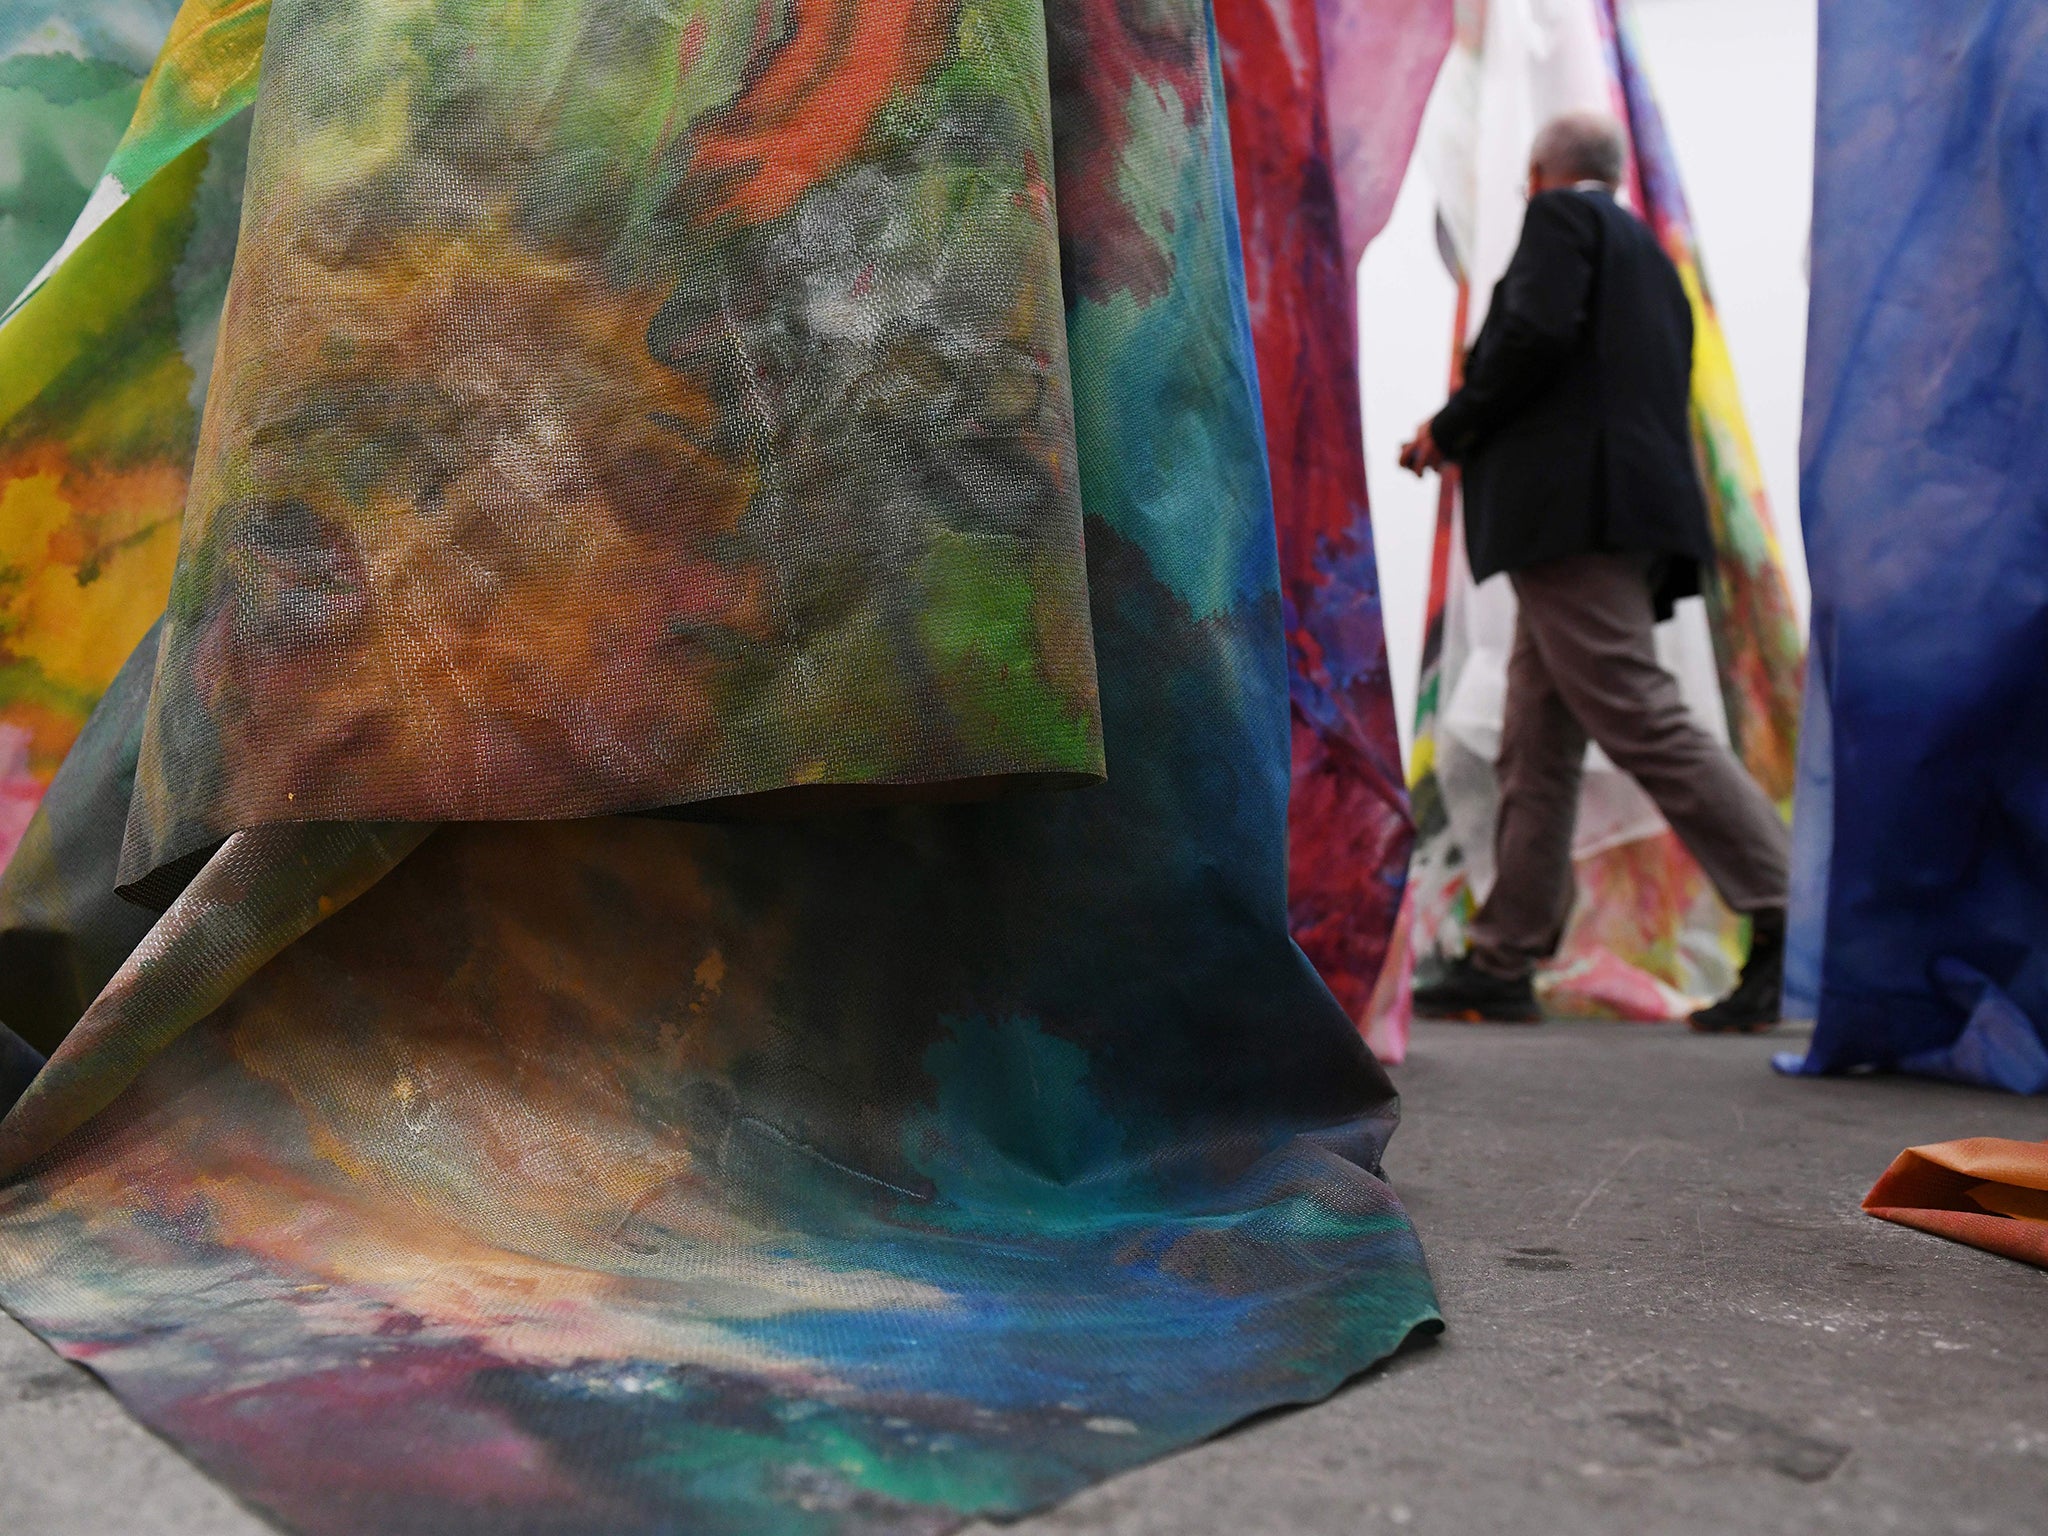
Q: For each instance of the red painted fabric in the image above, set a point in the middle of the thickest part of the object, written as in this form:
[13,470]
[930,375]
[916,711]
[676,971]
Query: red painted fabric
[1306,211]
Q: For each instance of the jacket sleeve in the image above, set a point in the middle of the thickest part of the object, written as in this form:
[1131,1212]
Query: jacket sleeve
[1539,312]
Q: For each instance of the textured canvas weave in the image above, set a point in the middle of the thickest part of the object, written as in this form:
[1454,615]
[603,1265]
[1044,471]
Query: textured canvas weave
[848,1170]
[611,415]
[1985,1191]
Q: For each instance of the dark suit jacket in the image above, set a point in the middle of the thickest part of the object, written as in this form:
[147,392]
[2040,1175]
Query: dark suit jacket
[1573,424]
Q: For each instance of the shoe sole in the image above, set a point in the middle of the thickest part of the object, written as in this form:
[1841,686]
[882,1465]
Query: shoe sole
[1475,1016]
[1762,1028]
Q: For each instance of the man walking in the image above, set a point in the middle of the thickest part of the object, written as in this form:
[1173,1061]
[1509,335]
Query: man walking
[1572,432]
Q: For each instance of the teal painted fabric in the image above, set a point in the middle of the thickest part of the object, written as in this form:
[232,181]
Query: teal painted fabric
[70,74]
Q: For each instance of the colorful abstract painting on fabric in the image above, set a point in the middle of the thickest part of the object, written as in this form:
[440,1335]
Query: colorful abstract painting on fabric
[697,411]
[101,378]
[70,75]
[1293,70]
[1921,904]
[1756,631]
[1649,939]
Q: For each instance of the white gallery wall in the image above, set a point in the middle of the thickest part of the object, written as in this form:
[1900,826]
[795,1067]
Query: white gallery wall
[1736,80]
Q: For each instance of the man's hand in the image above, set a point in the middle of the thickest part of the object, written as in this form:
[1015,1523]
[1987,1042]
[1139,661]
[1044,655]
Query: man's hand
[1420,453]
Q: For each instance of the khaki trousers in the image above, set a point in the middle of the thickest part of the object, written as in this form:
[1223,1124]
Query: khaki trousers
[1585,665]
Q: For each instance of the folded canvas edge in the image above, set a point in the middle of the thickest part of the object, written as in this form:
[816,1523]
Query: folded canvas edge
[2025,1241]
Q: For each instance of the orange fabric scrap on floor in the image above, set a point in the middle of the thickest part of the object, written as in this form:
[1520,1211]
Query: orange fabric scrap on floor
[1984,1191]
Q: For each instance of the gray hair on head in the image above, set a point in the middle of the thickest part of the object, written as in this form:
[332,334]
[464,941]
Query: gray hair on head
[1581,146]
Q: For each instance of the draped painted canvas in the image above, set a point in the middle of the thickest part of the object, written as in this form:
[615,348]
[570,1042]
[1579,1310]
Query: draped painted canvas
[87,498]
[1922,912]
[657,1020]
[1300,77]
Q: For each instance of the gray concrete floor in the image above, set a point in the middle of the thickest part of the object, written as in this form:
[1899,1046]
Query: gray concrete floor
[1667,1316]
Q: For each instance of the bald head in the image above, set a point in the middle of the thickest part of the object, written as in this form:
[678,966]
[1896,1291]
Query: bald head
[1580,146]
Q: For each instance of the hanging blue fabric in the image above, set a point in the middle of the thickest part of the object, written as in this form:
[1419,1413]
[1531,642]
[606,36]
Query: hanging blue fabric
[1925,491]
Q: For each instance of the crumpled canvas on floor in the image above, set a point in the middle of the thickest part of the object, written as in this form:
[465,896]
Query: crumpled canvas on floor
[1986,1191]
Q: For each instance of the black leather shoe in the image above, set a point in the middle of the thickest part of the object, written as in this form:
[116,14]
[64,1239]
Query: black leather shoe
[1466,993]
[1758,1001]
